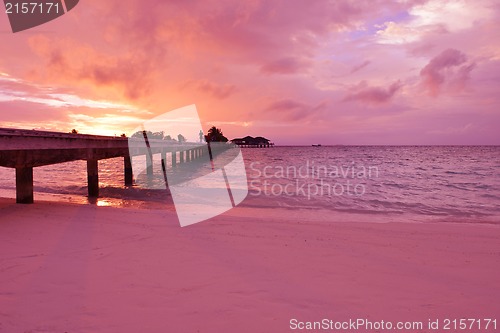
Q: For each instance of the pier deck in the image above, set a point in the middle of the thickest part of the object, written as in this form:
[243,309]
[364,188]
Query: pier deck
[27,149]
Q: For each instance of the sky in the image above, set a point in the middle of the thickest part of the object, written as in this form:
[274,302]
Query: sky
[362,72]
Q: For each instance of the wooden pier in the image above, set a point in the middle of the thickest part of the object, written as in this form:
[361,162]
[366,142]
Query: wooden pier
[28,149]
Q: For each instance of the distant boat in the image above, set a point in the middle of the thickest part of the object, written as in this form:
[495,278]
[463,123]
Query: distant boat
[318,145]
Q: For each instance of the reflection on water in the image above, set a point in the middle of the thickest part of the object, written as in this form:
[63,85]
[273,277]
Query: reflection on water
[100,202]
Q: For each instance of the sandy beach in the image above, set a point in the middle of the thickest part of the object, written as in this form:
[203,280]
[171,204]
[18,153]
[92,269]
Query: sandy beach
[82,268]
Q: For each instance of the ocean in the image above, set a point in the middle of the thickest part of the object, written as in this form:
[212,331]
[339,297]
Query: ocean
[388,183]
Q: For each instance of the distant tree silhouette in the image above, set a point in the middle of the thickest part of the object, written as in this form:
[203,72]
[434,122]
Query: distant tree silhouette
[167,138]
[74,131]
[140,134]
[215,135]
[158,135]
[123,135]
[181,138]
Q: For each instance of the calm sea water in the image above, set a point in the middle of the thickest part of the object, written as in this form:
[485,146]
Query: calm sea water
[427,183]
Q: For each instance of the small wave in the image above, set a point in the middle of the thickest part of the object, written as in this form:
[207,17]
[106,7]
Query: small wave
[491,196]
[456,173]
[462,188]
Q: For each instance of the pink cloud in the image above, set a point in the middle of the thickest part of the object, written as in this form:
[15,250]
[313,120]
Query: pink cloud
[372,95]
[219,91]
[447,67]
[287,65]
[67,61]
[294,110]
[360,66]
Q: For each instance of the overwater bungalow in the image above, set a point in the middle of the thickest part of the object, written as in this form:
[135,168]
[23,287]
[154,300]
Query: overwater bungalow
[251,142]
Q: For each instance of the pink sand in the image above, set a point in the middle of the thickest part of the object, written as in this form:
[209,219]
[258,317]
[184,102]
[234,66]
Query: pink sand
[76,268]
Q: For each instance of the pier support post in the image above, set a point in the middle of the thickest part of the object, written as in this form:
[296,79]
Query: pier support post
[24,185]
[174,159]
[149,164]
[129,177]
[93,178]
[164,161]
[164,157]
[181,157]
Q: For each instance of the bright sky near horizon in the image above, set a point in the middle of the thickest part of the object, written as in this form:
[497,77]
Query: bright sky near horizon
[297,72]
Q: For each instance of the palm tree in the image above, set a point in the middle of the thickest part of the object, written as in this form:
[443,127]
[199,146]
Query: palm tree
[215,135]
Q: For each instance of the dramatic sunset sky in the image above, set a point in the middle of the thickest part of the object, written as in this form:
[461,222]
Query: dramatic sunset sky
[297,72]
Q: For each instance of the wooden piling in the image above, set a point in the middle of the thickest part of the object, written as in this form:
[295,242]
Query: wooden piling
[174,159]
[24,185]
[164,157]
[129,177]
[93,178]
[149,164]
